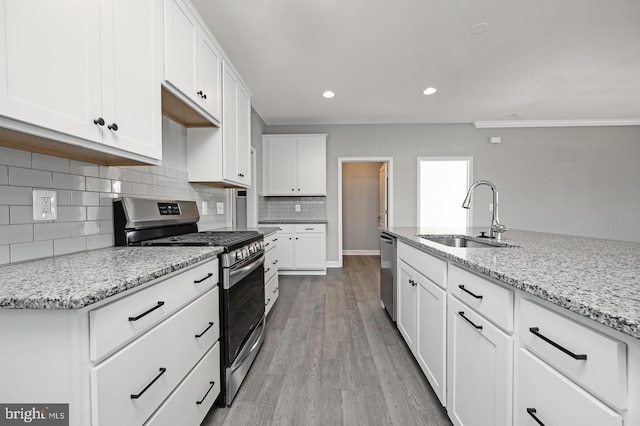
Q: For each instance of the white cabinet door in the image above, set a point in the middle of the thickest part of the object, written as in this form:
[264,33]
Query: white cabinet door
[312,165]
[280,175]
[431,336]
[244,136]
[181,44]
[285,250]
[209,77]
[50,65]
[551,398]
[407,303]
[480,361]
[309,250]
[131,73]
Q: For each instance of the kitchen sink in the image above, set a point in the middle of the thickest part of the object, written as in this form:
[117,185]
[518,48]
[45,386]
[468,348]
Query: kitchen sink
[463,242]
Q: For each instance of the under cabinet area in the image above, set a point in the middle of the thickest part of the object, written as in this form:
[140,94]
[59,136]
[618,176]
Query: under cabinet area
[73,81]
[302,249]
[271,289]
[294,165]
[192,65]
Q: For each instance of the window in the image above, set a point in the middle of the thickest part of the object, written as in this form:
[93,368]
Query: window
[442,186]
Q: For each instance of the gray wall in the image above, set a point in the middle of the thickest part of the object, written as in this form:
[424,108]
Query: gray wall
[575,180]
[360,205]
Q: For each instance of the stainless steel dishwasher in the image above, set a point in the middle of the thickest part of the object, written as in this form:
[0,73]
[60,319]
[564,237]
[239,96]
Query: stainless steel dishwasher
[388,273]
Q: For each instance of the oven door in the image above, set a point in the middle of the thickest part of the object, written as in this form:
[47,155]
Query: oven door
[243,303]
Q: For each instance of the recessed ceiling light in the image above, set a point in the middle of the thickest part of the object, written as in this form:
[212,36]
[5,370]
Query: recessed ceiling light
[328,94]
[429,91]
[479,28]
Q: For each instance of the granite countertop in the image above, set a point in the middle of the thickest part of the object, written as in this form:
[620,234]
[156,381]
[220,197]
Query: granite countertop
[264,230]
[291,221]
[77,280]
[596,278]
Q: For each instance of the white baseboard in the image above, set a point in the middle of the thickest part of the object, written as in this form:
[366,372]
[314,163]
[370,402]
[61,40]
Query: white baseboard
[360,252]
[296,272]
[333,264]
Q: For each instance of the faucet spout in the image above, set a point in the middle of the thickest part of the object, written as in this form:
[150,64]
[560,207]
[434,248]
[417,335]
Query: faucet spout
[496,226]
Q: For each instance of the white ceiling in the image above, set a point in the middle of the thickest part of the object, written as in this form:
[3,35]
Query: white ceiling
[541,59]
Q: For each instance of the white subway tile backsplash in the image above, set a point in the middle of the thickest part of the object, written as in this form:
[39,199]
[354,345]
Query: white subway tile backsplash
[98,184]
[14,157]
[65,181]
[4,175]
[51,231]
[99,213]
[29,251]
[5,255]
[131,175]
[72,213]
[81,198]
[106,226]
[84,169]
[110,172]
[84,228]
[12,234]
[69,245]
[21,214]
[141,188]
[99,241]
[63,196]
[48,162]
[29,177]
[4,215]
[106,198]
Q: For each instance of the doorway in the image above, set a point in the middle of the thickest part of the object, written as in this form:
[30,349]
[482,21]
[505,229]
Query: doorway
[365,202]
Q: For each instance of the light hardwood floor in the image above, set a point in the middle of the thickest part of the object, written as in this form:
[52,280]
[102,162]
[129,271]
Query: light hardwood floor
[332,356]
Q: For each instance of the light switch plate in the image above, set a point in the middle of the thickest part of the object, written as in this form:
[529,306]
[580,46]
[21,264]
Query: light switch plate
[298,208]
[45,205]
[205,208]
[220,207]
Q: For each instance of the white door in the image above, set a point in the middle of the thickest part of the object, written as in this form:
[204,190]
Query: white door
[384,198]
[181,43]
[280,176]
[431,338]
[480,360]
[308,250]
[229,124]
[131,75]
[50,65]
[407,303]
[285,249]
[312,166]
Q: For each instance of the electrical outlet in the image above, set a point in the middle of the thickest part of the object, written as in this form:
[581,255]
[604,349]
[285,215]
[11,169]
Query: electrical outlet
[205,210]
[297,208]
[45,205]
[220,208]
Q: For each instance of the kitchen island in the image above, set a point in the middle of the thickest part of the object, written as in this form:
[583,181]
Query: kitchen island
[504,332]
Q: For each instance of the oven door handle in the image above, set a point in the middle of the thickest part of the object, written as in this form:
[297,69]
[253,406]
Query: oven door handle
[235,276]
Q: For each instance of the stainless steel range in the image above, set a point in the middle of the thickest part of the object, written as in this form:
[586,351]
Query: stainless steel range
[147,222]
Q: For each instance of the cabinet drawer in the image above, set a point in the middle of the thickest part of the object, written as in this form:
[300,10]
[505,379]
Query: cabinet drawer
[428,265]
[137,369]
[603,372]
[270,264]
[555,399]
[308,227]
[271,293]
[271,241]
[191,401]
[112,325]
[489,299]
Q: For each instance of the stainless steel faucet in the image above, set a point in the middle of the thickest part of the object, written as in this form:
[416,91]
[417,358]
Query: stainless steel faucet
[496,227]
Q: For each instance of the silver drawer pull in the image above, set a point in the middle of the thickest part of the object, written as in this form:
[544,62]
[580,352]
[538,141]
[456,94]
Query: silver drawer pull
[205,395]
[477,296]
[536,331]
[205,330]
[209,275]
[478,327]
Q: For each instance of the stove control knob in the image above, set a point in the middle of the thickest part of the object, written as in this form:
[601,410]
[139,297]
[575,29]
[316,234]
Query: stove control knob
[239,255]
[252,249]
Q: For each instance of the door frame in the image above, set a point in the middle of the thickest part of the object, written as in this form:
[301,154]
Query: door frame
[341,161]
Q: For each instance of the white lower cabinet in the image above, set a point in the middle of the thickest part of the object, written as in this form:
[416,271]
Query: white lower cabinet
[271,262]
[546,397]
[192,400]
[421,321]
[271,293]
[480,369]
[302,248]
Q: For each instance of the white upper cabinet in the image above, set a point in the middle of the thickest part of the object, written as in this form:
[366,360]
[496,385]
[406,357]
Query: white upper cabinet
[84,73]
[295,164]
[193,60]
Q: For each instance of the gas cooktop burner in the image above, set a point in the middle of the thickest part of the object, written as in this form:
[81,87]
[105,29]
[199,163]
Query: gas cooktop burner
[227,239]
